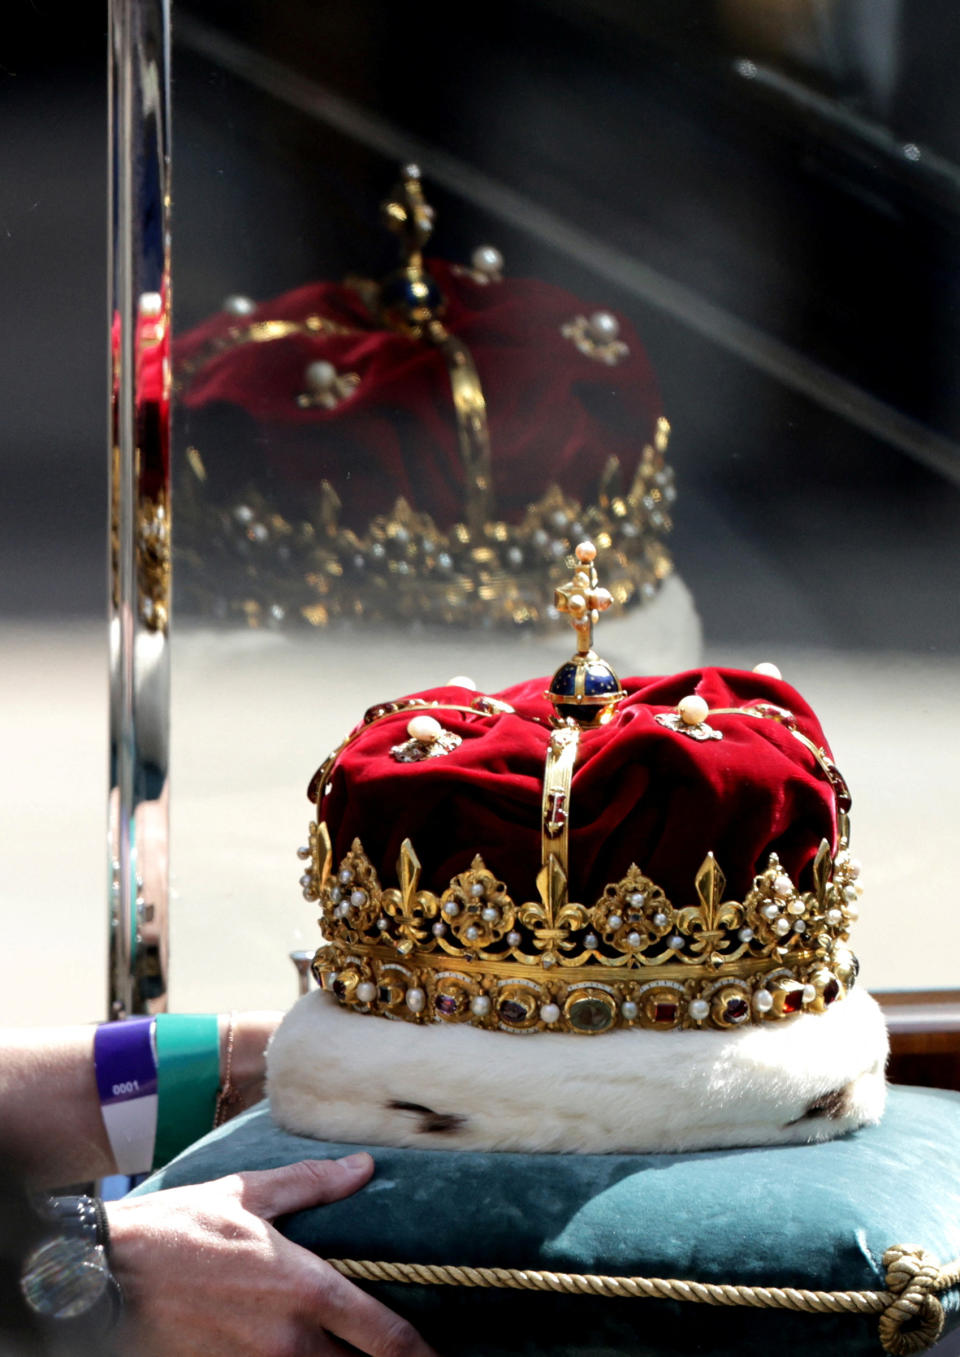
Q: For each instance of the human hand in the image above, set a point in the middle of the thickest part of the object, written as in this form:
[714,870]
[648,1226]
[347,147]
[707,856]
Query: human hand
[205,1274]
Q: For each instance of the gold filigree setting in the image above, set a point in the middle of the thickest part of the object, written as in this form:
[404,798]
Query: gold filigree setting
[630,960]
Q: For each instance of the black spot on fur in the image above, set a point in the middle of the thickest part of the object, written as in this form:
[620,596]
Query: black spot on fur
[835,1105]
[429,1119]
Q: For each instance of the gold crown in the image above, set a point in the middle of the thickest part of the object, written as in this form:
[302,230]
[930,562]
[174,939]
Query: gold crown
[632,958]
[311,569]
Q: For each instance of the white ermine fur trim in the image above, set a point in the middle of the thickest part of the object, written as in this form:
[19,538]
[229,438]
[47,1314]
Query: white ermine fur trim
[337,1075]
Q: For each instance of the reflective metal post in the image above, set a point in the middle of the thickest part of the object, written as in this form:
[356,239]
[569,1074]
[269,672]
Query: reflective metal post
[139,326]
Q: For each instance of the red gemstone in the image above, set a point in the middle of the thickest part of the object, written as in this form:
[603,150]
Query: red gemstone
[736,1010]
[793,1001]
[665,1012]
[831,991]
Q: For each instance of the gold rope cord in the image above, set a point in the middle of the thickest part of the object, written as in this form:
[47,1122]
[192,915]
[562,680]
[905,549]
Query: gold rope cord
[911,1317]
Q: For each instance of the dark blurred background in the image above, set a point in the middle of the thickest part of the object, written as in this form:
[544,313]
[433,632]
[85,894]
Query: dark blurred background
[769,190]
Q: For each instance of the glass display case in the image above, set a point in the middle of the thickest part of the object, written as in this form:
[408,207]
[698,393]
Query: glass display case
[681,276]
[758,208]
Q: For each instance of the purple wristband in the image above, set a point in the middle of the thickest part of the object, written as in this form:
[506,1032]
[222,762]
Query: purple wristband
[125,1061]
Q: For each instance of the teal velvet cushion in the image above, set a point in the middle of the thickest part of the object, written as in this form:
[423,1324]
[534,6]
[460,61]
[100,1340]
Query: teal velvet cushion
[807,1216]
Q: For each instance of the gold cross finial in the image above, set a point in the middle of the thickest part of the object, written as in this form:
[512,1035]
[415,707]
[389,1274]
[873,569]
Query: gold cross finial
[409,215]
[581,598]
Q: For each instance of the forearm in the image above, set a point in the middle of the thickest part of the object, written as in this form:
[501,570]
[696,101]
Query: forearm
[50,1121]
[50,1118]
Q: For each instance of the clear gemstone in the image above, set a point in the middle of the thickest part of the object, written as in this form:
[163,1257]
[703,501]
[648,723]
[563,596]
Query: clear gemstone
[591,1014]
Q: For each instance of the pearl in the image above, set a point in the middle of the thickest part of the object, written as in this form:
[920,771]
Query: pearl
[514,939]
[799,926]
[480,1005]
[366,992]
[559,520]
[150,305]
[345,876]
[382,924]
[763,1001]
[692,710]
[770,911]
[745,934]
[809,994]
[576,603]
[796,907]
[699,1009]
[259,532]
[411,170]
[629,1009]
[633,939]
[549,1013]
[439,929]
[768,670]
[604,325]
[238,305]
[600,599]
[358,898]
[514,556]
[614,921]
[487,259]
[461,681]
[782,885]
[335,894]
[305,881]
[590,940]
[850,865]
[445,561]
[675,942]
[472,933]
[320,376]
[490,914]
[834,916]
[586,551]
[851,894]
[426,729]
[451,909]
[782,926]
[478,888]
[637,899]
[329,980]
[660,920]
[415,1000]
[341,911]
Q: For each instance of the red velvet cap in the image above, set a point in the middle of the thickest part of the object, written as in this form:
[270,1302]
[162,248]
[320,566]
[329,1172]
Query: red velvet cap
[554,414]
[641,793]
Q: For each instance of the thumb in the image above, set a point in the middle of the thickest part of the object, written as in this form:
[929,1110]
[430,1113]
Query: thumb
[269,1193]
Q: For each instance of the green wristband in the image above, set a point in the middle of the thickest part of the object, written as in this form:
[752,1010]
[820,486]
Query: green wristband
[188,1077]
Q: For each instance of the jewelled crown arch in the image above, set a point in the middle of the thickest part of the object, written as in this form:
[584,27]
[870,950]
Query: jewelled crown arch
[629,958]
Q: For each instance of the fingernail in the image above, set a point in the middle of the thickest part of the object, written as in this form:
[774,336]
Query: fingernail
[354,1161]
